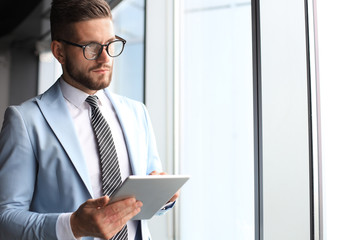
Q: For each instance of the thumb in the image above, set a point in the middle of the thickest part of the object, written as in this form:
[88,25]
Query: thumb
[99,202]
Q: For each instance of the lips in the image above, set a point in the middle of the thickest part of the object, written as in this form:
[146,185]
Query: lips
[100,69]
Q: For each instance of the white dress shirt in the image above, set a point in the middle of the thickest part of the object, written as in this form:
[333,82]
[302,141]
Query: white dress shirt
[80,112]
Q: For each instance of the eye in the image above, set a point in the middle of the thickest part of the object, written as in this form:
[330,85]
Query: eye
[115,48]
[92,50]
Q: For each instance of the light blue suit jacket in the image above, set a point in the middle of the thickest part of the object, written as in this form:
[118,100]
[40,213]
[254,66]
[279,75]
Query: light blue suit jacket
[42,170]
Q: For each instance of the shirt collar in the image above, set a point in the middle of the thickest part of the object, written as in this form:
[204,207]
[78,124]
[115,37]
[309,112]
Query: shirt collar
[102,97]
[77,97]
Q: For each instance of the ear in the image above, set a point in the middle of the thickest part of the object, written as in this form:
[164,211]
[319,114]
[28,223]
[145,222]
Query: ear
[57,49]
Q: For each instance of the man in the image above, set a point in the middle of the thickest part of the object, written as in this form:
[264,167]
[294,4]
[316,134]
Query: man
[52,173]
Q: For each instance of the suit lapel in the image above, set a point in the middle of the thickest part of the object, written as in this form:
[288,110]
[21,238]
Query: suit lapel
[126,123]
[54,109]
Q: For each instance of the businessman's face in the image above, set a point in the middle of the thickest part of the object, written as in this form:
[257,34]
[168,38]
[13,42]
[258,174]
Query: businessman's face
[89,75]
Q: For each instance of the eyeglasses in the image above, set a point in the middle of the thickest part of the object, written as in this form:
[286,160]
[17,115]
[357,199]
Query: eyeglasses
[93,50]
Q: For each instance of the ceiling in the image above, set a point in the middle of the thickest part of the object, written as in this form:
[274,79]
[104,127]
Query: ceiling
[13,14]
[25,24]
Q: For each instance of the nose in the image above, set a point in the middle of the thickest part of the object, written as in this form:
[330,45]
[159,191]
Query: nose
[104,56]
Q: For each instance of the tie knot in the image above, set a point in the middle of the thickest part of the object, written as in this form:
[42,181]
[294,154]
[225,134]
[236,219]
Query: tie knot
[92,100]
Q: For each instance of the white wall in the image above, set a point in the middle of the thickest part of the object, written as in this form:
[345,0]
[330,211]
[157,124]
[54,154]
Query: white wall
[338,56]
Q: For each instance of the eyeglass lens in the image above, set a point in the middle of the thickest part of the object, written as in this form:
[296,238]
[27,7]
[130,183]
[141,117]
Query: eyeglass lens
[93,50]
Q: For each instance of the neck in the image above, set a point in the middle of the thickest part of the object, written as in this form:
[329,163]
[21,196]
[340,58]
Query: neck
[78,85]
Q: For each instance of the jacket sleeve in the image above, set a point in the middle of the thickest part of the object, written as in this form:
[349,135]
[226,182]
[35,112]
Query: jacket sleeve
[18,170]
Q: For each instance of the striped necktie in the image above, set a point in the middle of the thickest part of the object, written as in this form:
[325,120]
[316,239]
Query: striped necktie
[110,170]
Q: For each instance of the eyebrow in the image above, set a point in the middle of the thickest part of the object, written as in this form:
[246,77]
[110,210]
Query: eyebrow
[92,41]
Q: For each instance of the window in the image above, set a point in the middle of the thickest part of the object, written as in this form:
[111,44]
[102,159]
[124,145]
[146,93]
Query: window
[128,76]
[286,161]
[216,120]
[202,106]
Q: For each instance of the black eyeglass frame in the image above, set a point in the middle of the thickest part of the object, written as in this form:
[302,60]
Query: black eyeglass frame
[100,50]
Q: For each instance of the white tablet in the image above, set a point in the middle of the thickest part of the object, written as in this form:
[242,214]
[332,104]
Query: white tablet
[154,191]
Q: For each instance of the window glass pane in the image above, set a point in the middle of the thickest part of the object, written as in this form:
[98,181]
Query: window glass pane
[128,75]
[217,145]
[286,182]
[49,70]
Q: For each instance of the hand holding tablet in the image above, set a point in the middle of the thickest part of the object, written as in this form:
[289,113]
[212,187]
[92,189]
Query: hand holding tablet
[154,191]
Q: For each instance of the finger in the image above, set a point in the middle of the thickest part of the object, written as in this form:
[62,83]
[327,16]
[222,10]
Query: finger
[135,211]
[154,173]
[120,212]
[158,173]
[139,204]
[131,210]
[119,206]
[97,203]
[101,202]
[176,196]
